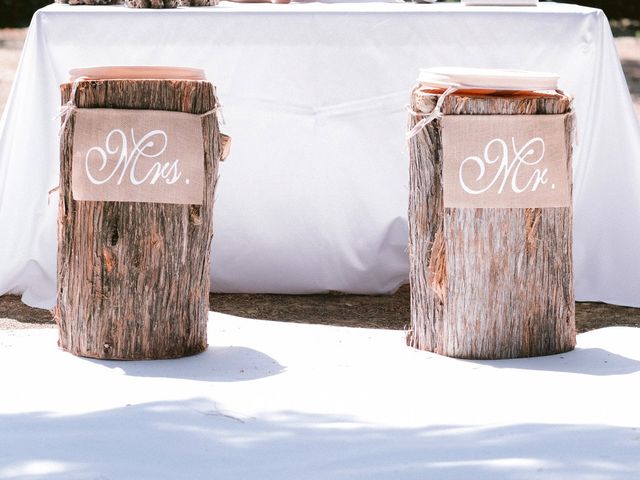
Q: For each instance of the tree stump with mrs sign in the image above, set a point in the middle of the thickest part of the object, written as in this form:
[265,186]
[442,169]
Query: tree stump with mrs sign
[133,277]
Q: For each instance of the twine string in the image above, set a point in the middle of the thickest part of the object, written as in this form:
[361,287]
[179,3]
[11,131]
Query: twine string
[67,110]
[435,114]
[217,109]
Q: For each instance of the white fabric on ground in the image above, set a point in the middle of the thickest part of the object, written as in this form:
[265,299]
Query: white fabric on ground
[272,400]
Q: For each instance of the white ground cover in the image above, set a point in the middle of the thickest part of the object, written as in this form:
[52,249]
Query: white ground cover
[272,400]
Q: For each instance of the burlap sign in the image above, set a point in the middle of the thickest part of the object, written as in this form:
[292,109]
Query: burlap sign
[505,161]
[137,156]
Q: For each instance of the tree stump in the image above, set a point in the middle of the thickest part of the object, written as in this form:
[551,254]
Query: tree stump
[90,2]
[133,278]
[198,3]
[486,283]
[151,3]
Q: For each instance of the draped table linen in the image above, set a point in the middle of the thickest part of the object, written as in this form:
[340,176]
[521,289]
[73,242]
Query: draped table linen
[315,191]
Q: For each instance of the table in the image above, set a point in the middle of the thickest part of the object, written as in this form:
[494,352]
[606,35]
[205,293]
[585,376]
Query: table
[314,194]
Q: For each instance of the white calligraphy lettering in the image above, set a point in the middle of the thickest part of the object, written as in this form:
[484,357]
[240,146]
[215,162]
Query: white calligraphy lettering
[115,157]
[496,152]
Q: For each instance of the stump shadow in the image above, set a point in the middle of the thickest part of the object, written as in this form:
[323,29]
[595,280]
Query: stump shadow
[216,364]
[584,361]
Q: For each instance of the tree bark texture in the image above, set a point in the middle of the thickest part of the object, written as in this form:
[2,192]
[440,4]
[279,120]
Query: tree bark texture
[90,2]
[133,278]
[151,3]
[486,283]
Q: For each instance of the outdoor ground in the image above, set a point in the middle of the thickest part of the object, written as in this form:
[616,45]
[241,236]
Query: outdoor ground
[337,309]
[280,400]
[11,41]
[377,311]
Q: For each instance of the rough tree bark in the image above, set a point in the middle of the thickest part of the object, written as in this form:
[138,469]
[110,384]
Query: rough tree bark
[133,278]
[198,3]
[486,283]
[151,3]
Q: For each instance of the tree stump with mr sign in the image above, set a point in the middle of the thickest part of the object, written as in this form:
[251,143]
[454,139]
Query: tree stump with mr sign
[487,283]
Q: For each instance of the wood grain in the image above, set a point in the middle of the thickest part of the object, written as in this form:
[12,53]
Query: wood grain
[486,283]
[133,278]
[151,3]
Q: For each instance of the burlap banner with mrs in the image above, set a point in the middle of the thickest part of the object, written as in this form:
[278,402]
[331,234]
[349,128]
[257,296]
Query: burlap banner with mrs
[137,156]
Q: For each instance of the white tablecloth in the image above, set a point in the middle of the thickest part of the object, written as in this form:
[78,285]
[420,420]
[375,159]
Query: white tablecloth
[314,195]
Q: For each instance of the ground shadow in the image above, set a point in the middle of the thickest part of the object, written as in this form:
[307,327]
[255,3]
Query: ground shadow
[216,364]
[584,361]
[194,439]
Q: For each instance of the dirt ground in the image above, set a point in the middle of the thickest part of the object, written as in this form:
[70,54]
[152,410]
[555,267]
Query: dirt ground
[370,311]
[629,51]
[11,41]
[390,311]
